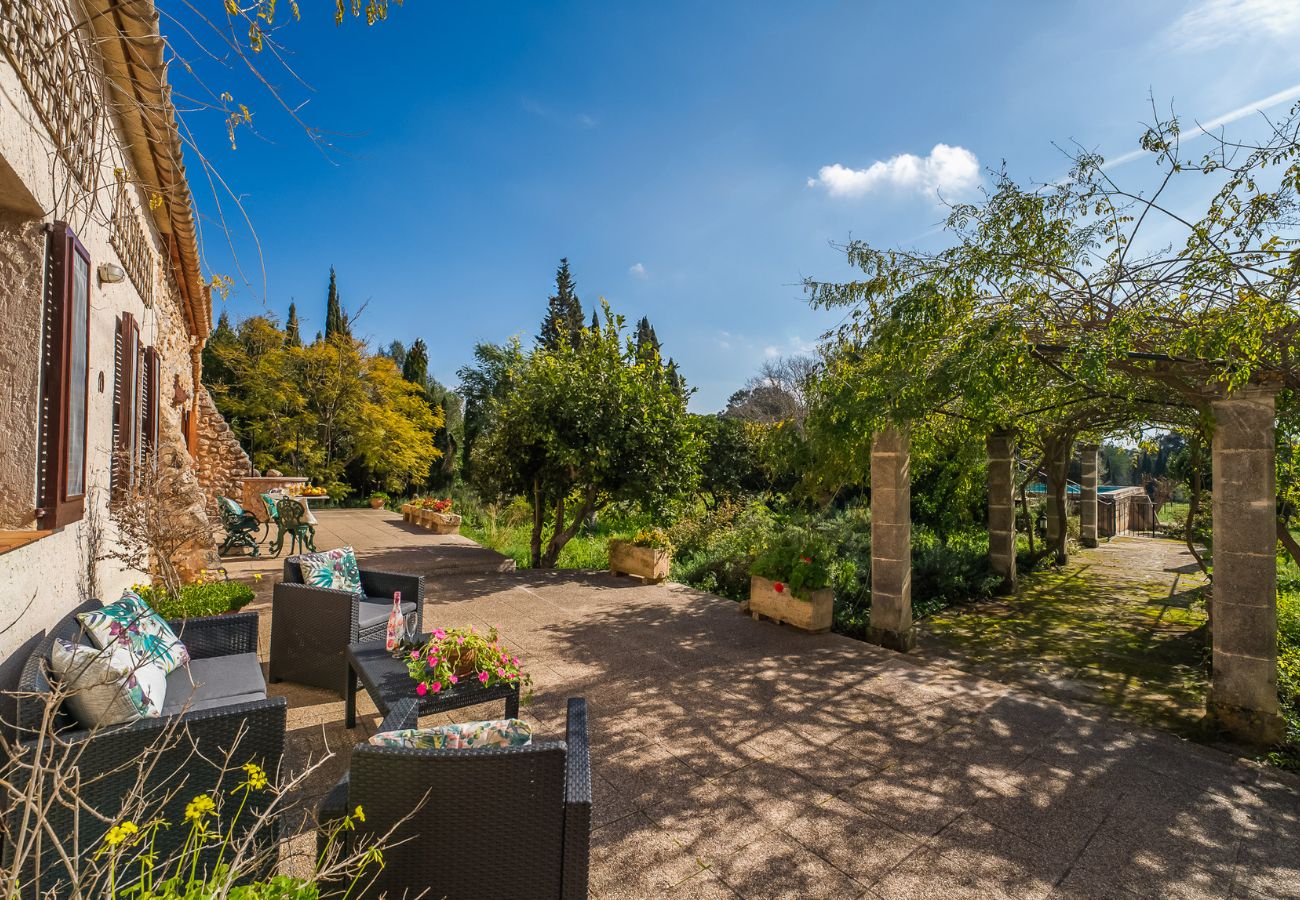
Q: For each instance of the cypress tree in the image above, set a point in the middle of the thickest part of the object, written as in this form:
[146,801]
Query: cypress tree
[292,336]
[415,368]
[563,319]
[647,342]
[334,321]
[223,328]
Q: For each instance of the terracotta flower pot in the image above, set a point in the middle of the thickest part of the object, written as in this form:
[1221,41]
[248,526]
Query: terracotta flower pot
[376,502]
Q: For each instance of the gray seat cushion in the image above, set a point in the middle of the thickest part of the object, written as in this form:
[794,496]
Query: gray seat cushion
[373,611]
[217,681]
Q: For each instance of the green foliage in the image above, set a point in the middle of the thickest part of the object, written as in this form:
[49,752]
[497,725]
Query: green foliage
[563,321]
[415,363]
[799,557]
[1288,669]
[202,598]
[292,333]
[330,410]
[731,464]
[336,321]
[583,425]
[715,548]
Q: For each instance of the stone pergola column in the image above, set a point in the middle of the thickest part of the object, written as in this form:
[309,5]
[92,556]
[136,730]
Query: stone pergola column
[1002,507]
[1088,495]
[1058,467]
[891,541]
[1243,692]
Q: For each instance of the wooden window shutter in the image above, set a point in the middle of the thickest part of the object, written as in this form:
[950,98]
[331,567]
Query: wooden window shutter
[126,403]
[65,380]
[149,391]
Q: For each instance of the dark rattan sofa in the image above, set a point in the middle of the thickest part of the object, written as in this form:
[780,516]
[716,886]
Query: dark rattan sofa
[491,823]
[311,627]
[216,704]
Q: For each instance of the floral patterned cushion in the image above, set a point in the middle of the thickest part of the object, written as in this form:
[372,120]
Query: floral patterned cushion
[332,569]
[108,687]
[131,623]
[459,736]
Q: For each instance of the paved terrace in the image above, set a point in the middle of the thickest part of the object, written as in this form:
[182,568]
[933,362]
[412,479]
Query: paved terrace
[734,758]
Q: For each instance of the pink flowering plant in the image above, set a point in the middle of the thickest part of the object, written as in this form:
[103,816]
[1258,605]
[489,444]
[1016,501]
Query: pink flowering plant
[455,655]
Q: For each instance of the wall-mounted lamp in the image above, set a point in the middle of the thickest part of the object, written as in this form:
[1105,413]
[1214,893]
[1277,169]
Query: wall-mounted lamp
[110,273]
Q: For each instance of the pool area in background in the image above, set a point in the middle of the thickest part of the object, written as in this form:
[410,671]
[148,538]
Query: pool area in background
[1041,488]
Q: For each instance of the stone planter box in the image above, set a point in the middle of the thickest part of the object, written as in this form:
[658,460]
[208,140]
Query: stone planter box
[651,563]
[812,613]
[408,511]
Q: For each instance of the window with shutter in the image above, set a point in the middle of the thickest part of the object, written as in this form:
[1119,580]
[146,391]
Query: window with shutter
[65,379]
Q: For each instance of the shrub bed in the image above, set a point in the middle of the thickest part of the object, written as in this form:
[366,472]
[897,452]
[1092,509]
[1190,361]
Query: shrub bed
[199,599]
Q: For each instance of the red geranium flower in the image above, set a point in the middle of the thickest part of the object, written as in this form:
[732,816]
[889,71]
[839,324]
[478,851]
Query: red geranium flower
[778,587]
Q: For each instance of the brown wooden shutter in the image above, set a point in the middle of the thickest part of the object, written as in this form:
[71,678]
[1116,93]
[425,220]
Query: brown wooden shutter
[126,396]
[149,392]
[65,380]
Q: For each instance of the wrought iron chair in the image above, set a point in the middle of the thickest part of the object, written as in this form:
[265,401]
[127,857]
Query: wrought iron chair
[240,526]
[291,520]
[272,514]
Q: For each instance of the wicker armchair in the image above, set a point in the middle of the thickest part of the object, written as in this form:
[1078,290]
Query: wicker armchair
[311,627]
[183,748]
[520,821]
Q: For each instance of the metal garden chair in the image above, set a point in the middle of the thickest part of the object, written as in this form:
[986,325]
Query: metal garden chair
[291,521]
[240,526]
[272,514]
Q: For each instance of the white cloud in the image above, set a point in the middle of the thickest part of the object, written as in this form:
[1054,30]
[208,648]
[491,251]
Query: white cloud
[582,120]
[947,169]
[637,270]
[1210,23]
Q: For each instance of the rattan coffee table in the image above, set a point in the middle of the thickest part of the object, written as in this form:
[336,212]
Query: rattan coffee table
[387,681]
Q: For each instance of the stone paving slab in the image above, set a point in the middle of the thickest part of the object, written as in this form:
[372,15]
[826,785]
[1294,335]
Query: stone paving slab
[735,758]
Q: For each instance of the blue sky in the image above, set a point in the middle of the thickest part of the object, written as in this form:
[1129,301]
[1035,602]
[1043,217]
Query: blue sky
[694,161]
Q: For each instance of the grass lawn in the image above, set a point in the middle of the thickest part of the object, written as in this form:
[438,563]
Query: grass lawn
[587,549]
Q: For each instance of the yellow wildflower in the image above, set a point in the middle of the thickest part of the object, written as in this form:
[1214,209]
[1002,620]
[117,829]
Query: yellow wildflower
[256,779]
[257,576]
[119,834]
[359,814]
[199,808]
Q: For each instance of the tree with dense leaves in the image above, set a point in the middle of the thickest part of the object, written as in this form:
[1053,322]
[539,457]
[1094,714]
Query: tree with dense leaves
[292,335]
[563,320]
[331,410]
[731,462]
[585,424]
[482,386]
[1051,309]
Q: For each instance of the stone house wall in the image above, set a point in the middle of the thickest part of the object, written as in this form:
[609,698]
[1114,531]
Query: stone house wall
[45,573]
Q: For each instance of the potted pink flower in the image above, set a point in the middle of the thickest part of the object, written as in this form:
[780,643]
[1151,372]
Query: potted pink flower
[451,657]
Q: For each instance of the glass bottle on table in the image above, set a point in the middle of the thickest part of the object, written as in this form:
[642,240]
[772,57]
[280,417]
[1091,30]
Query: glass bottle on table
[396,624]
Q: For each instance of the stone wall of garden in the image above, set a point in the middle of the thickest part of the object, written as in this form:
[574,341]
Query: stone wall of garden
[221,461]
